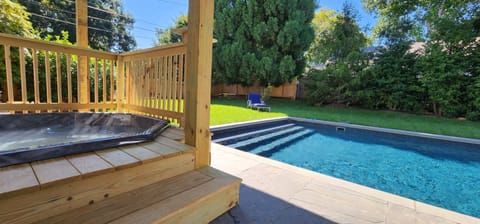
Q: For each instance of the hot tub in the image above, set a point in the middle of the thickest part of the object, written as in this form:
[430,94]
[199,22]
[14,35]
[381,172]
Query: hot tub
[31,137]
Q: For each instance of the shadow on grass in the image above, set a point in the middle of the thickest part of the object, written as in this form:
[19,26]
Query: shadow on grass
[258,207]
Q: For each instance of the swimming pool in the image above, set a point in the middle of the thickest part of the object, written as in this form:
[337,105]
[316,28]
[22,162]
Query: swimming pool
[439,170]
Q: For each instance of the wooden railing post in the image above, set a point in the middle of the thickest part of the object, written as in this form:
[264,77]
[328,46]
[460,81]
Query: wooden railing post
[120,84]
[81,8]
[198,80]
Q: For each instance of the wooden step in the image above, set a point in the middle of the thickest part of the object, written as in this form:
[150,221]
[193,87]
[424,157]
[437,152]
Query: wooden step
[194,197]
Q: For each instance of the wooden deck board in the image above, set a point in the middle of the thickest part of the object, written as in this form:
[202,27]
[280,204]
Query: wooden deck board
[161,149]
[118,206]
[17,179]
[76,181]
[200,204]
[47,172]
[90,164]
[60,198]
[172,143]
[118,159]
[54,171]
[140,153]
[174,133]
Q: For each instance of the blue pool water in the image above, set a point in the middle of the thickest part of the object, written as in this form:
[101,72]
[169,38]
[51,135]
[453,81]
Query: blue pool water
[441,173]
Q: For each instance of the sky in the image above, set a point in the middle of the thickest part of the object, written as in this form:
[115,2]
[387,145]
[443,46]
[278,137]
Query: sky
[152,14]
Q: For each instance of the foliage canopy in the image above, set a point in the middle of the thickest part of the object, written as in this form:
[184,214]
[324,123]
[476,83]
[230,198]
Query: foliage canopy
[166,36]
[262,40]
[109,25]
[14,19]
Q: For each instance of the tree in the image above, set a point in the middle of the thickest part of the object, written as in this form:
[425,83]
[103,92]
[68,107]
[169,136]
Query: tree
[391,82]
[323,24]
[346,36]
[109,25]
[448,66]
[342,45]
[14,19]
[419,18]
[166,36]
[263,40]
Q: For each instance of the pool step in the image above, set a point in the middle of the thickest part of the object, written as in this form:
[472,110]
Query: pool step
[266,138]
[268,149]
[252,134]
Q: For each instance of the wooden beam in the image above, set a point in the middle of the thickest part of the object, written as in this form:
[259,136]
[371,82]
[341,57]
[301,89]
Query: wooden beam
[198,80]
[8,69]
[81,15]
[39,45]
[120,84]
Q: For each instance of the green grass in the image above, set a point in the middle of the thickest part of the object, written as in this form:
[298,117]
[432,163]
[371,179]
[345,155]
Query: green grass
[234,110]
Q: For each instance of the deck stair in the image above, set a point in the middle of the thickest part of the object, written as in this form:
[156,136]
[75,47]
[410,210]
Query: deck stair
[267,138]
[153,182]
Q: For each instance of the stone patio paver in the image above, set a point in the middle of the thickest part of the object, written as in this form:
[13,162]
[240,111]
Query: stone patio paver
[275,192]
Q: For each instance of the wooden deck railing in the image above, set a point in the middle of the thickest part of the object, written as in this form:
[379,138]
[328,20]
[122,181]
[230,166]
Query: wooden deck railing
[40,76]
[154,81]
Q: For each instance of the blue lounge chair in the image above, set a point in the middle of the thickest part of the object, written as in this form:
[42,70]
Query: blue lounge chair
[255,102]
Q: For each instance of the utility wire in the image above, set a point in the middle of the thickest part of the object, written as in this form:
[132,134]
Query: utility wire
[90,17]
[173,2]
[95,18]
[108,21]
[69,23]
[54,19]
[120,15]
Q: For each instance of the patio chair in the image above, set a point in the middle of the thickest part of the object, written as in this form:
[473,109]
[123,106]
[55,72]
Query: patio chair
[255,102]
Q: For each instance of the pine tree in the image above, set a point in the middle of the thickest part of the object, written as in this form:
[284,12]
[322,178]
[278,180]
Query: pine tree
[262,40]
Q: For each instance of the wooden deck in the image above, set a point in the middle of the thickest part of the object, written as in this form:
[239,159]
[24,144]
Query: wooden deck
[140,183]
[162,181]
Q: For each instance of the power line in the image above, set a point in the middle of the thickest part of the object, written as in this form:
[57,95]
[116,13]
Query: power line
[58,9]
[119,15]
[69,23]
[147,38]
[109,21]
[105,20]
[115,13]
[54,19]
[96,18]
[90,17]
[173,2]
[147,22]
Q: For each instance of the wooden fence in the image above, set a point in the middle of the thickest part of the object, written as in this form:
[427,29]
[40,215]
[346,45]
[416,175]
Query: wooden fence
[287,90]
[39,76]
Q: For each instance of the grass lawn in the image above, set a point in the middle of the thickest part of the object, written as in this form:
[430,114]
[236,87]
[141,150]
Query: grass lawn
[234,110]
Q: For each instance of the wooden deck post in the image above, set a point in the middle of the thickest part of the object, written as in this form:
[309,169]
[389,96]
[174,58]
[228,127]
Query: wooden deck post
[120,84]
[198,79]
[81,8]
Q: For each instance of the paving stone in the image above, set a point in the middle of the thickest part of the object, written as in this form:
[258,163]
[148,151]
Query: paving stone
[232,163]
[397,214]
[341,205]
[277,182]
[423,218]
